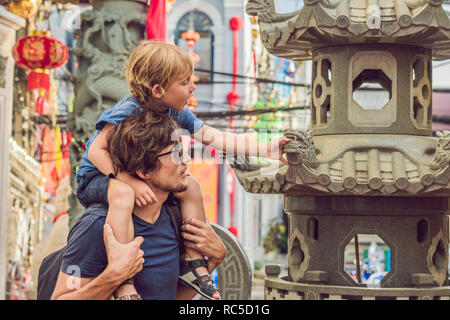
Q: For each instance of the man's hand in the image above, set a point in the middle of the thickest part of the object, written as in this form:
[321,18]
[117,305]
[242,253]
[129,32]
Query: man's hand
[275,149]
[124,260]
[201,237]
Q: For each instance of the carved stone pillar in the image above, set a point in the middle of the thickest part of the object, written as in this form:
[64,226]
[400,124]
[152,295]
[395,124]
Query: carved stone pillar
[107,35]
[9,23]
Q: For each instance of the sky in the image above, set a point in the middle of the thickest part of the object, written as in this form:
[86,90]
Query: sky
[284,6]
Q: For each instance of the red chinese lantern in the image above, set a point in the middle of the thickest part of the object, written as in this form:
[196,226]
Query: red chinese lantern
[193,101]
[233,97]
[195,57]
[39,53]
[190,37]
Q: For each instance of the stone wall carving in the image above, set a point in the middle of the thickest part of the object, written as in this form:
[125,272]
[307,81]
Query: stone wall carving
[107,35]
[3,61]
[235,272]
[442,157]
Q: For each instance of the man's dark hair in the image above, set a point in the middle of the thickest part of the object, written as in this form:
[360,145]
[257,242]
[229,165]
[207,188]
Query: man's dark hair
[136,142]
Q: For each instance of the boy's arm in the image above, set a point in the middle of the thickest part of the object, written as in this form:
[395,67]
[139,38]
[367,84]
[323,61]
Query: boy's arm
[240,144]
[98,153]
[99,156]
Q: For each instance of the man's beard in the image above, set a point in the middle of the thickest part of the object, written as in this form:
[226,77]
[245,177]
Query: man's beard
[176,189]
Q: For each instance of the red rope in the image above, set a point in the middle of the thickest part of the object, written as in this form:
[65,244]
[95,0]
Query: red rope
[59,216]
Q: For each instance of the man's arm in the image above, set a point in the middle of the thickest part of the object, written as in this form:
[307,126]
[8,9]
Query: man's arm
[124,261]
[69,287]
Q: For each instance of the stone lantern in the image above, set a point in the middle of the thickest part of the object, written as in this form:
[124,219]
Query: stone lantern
[366,167]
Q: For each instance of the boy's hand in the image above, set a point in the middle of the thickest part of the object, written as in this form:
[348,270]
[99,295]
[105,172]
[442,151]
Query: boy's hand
[275,149]
[144,195]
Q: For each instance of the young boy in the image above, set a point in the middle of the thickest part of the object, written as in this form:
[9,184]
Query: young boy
[159,76]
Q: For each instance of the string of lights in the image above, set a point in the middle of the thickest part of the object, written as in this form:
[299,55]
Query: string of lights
[254,79]
[225,114]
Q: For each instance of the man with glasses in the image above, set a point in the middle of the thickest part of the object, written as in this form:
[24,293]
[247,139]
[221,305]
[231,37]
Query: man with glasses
[95,265]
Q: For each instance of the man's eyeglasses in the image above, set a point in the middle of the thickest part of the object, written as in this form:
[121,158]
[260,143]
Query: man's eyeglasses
[177,153]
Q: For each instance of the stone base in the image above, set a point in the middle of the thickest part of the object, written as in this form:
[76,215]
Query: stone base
[321,228]
[280,289]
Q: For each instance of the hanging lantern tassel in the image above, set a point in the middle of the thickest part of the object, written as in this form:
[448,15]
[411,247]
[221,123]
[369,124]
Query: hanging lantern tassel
[43,96]
[156,21]
[39,79]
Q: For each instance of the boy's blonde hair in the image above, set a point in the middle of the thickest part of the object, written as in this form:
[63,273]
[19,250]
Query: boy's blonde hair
[155,62]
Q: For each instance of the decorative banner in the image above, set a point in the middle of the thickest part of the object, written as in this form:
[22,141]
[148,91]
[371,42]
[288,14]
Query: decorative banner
[191,37]
[48,168]
[206,171]
[232,96]
[156,21]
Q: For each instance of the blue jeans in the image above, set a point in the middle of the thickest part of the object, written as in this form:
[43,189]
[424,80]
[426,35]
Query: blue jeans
[93,188]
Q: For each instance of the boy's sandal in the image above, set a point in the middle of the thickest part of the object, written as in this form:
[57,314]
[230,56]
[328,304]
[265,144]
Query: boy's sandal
[202,284]
[135,296]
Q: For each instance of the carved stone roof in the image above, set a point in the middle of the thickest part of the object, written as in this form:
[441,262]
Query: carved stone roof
[419,165]
[269,179]
[323,23]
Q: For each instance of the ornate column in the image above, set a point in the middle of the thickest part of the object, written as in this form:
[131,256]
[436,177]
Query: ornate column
[108,33]
[9,23]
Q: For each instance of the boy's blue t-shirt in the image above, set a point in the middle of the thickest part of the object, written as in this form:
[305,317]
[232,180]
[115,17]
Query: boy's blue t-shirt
[86,257]
[123,108]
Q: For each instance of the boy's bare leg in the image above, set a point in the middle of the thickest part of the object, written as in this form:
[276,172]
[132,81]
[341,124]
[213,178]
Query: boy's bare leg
[192,207]
[121,203]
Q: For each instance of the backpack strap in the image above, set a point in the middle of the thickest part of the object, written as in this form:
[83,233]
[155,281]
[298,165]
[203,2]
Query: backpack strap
[173,208]
[48,274]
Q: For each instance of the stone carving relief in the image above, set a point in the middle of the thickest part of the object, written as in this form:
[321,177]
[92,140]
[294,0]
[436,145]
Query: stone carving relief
[295,35]
[105,44]
[300,150]
[265,10]
[421,92]
[3,62]
[105,40]
[322,92]
[442,156]
[359,10]
[235,272]
[298,255]
[437,258]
